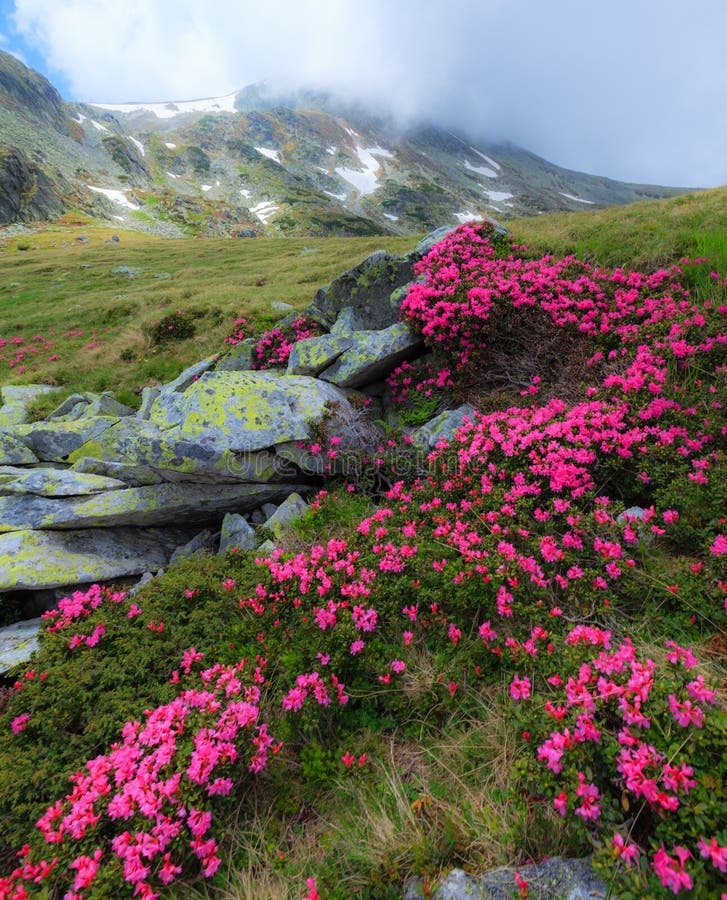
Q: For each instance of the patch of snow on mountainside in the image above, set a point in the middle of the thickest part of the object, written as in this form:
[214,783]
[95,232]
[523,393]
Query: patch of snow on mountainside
[138,144]
[389,216]
[271,154]
[114,196]
[264,210]
[480,170]
[169,145]
[340,197]
[365,181]
[498,196]
[170,109]
[98,126]
[488,159]
[245,193]
[577,199]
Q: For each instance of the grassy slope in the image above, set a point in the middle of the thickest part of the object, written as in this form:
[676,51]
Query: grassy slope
[45,290]
[434,796]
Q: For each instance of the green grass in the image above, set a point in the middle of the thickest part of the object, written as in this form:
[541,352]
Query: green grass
[643,235]
[59,284]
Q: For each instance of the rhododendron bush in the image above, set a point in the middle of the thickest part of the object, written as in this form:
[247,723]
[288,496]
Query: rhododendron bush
[526,557]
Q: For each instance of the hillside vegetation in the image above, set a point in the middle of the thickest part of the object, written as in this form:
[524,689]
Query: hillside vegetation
[511,648]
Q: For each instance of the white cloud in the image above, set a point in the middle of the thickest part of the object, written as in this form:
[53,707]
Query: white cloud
[632,90]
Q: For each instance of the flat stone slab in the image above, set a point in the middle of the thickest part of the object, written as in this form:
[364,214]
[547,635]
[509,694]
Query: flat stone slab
[157,504]
[372,356]
[13,413]
[32,560]
[17,643]
[25,393]
[53,482]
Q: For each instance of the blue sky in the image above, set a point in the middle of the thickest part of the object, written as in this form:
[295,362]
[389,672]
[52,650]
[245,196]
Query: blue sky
[630,89]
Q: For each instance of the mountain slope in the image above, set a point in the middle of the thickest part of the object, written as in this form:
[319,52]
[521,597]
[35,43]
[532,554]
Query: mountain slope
[259,161]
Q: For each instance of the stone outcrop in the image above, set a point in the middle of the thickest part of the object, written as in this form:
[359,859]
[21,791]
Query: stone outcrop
[98,492]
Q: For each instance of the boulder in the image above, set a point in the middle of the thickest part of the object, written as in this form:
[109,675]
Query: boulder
[131,476]
[106,405]
[312,355]
[48,559]
[246,411]
[373,355]
[292,508]
[54,441]
[15,412]
[18,642]
[566,879]
[443,426]
[69,409]
[148,396]
[53,482]
[239,357]
[367,288]
[14,452]
[157,504]
[236,532]
[199,543]
[189,375]
[25,393]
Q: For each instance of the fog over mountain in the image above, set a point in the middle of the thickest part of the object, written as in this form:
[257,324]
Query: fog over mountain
[634,91]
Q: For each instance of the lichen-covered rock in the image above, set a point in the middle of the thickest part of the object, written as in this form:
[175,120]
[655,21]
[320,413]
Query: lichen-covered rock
[312,355]
[131,476]
[236,532]
[157,504]
[106,405]
[25,393]
[292,508]
[367,289]
[373,355]
[246,411]
[239,357]
[189,375]
[554,879]
[53,482]
[14,452]
[48,559]
[18,642]
[54,441]
[13,413]
[443,426]
[199,544]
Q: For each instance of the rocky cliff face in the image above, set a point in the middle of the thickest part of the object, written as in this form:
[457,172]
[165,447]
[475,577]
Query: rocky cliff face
[26,192]
[259,162]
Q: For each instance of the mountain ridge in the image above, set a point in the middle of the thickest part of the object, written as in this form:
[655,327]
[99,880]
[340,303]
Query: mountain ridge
[261,161]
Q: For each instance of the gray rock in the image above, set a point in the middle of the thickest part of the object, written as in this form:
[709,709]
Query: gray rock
[239,357]
[554,879]
[198,544]
[189,375]
[268,509]
[54,441]
[14,452]
[292,508]
[48,482]
[347,321]
[127,271]
[158,504]
[247,411]
[373,355]
[236,532]
[47,559]
[130,476]
[25,393]
[106,405]
[148,396]
[67,407]
[13,413]
[367,288]
[279,306]
[18,642]
[312,355]
[142,582]
[443,426]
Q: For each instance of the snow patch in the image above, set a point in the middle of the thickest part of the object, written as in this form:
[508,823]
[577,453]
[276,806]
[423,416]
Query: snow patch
[497,196]
[138,145]
[271,154]
[81,119]
[487,159]
[98,126]
[480,170]
[577,199]
[172,175]
[206,187]
[169,145]
[114,196]
[468,217]
[350,131]
[389,216]
[245,193]
[340,197]
[332,150]
[170,109]
[264,210]
[365,181]
[120,218]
